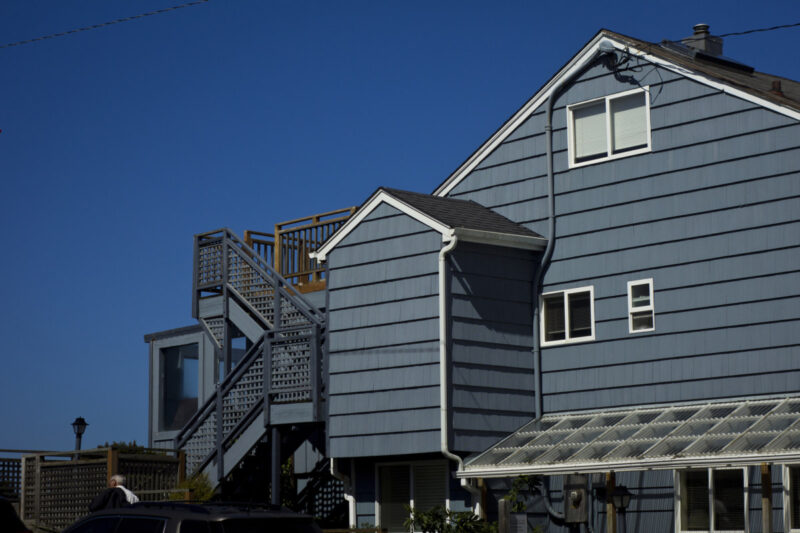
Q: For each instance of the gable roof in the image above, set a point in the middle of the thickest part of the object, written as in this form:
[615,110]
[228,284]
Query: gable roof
[465,219]
[754,86]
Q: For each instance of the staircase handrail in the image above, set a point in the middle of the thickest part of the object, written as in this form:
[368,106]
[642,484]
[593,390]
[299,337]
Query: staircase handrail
[266,270]
[224,387]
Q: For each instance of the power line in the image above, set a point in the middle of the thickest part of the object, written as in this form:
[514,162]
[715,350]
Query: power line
[746,32]
[109,23]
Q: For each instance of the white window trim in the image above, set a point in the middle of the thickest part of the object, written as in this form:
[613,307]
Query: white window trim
[411,465]
[712,518]
[610,156]
[566,293]
[640,309]
[787,500]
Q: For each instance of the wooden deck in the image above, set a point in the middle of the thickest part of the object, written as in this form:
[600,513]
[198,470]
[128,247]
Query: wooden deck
[287,249]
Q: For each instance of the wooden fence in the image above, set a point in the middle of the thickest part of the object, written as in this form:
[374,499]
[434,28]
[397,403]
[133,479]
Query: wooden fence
[58,487]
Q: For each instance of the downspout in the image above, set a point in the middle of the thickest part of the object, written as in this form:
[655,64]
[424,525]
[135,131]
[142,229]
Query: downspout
[603,48]
[348,492]
[443,367]
[548,253]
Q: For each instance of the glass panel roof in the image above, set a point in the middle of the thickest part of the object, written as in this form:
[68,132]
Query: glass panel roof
[652,437]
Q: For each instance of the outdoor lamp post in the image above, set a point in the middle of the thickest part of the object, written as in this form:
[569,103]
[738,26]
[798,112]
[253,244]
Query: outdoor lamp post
[79,425]
[621,497]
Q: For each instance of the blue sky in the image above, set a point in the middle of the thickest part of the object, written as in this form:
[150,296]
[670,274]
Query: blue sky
[119,144]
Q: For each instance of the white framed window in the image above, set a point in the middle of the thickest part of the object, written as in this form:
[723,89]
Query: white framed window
[420,485]
[711,500]
[567,316]
[791,497]
[606,128]
[641,310]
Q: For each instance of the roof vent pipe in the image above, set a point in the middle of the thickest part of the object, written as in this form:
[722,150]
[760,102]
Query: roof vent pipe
[703,40]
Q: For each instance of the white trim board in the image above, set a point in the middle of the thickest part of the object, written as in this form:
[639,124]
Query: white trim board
[578,62]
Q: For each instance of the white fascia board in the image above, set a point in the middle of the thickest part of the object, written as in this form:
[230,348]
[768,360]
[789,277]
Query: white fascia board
[665,463]
[506,240]
[378,198]
[579,61]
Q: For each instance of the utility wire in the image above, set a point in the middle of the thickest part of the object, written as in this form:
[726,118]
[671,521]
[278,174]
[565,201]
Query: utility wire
[746,32]
[109,23]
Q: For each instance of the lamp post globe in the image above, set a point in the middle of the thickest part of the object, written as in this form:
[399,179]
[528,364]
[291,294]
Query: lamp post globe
[79,426]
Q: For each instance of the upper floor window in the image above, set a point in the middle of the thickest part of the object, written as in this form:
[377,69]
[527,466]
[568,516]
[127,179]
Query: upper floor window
[641,313]
[609,127]
[567,316]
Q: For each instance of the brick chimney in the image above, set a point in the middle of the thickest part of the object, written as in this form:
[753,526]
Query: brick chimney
[703,40]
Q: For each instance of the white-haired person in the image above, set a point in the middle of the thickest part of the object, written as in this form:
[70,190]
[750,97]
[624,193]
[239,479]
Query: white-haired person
[116,495]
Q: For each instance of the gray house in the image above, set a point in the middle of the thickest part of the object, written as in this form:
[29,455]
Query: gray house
[609,286]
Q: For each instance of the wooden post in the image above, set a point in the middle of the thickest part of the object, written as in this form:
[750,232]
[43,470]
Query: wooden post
[611,511]
[766,498]
[181,466]
[112,463]
[503,516]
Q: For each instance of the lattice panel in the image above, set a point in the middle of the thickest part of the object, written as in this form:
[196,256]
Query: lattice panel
[327,497]
[10,477]
[290,314]
[209,263]
[201,443]
[216,326]
[291,368]
[29,489]
[238,401]
[148,472]
[66,489]
[254,287]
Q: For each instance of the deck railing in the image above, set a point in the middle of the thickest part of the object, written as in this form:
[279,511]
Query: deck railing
[288,248]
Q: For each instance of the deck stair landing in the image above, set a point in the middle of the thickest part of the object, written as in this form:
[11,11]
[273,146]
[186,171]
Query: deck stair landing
[237,293]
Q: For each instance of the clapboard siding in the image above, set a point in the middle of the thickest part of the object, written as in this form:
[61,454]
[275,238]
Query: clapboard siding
[384,330]
[492,369]
[711,214]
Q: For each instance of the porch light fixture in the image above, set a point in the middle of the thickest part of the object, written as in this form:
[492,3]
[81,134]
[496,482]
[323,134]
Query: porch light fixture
[79,426]
[621,497]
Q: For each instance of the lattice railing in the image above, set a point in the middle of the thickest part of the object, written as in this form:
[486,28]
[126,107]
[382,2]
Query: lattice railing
[293,336]
[10,477]
[323,494]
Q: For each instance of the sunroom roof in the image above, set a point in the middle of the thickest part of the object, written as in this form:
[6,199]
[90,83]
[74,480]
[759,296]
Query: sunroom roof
[680,436]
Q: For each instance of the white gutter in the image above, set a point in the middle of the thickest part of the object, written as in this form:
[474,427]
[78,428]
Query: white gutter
[348,492]
[443,407]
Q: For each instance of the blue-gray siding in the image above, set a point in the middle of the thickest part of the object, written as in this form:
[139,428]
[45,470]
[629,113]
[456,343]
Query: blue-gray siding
[712,214]
[384,331]
[492,367]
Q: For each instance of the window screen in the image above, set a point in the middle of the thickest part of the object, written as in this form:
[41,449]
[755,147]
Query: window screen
[555,328]
[580,315]
[628,122]
[429,486]
[694,501]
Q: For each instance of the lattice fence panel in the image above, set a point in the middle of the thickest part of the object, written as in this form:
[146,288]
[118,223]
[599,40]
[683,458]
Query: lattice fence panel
[209,263]
[29,488]
[149,472]
[201,443]
[238,401]
[66,489]
[328,496]
[292,367]
[10,477]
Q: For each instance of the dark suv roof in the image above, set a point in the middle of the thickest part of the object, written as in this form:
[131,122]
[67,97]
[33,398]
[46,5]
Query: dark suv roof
[174,514]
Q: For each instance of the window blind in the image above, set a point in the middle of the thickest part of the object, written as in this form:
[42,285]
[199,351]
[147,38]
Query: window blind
[628,122]
[590,130]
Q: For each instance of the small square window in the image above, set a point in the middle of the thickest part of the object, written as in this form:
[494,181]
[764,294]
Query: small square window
[614,126]
[568,316]
[641,313]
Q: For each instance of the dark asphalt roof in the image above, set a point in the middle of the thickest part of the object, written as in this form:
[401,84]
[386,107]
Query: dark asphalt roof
[456,213]
[756,83]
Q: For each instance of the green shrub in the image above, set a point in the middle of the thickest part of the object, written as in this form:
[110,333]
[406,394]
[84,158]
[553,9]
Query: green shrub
[441,520]
[199,488]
